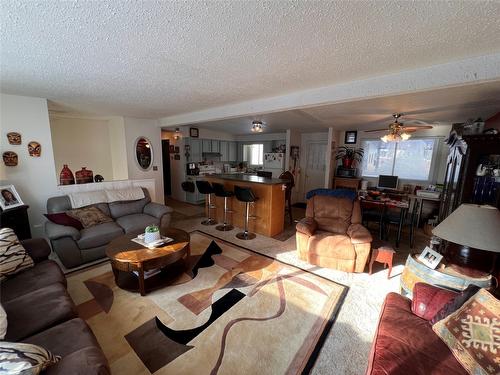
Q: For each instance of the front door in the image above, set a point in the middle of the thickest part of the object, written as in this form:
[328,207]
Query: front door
[314,176]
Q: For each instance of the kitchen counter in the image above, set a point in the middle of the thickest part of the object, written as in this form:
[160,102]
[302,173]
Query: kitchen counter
[248,178]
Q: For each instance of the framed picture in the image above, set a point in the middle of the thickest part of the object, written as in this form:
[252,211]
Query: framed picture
[9,197]
[351,137]
[177,157]
[171,149]
[430,257]
[194,132]
[177,150]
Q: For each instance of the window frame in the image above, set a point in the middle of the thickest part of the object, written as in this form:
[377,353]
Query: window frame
[253,145]
[432,169]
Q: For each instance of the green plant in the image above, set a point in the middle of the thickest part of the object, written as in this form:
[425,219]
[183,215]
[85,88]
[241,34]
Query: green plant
[350,153]
[152,229]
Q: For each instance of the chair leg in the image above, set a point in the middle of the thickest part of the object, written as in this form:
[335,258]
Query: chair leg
[225,226]
[290,210]
[209,220]
[245,235]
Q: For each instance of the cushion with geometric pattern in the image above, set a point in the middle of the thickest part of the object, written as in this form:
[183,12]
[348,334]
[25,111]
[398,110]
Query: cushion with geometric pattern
[20,358]
[473,334]
[13,256]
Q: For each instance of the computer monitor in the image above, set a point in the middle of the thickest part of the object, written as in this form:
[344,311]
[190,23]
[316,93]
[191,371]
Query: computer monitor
[387,182]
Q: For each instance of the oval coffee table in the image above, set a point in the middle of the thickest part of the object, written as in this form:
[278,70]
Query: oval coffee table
[130,260]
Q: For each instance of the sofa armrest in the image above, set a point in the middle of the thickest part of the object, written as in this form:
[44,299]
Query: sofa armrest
[157,210]
[359,234]
[37,248]
[55,231]
[307,226]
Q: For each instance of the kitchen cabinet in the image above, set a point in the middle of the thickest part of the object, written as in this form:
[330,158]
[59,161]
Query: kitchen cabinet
[224,150]
[233,151]
[195,152]
[215,145]
[206,145]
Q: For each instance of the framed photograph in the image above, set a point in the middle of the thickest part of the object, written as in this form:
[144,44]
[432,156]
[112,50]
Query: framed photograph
[194,132]
[9,197]
[430,257]
[351,137]
[177,157]
[171,149]
[177,149]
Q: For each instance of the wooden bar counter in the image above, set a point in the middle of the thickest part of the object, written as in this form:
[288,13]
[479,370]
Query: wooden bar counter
[269,209]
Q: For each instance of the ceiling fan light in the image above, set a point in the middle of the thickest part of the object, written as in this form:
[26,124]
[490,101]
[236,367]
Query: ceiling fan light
[384,139]
[256,127]
[405,136]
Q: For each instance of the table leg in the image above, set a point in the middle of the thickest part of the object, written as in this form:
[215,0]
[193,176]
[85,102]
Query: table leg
[141,281]
[372,260]
[400,227]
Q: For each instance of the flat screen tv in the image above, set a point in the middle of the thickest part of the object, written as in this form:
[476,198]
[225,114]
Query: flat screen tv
[387,182]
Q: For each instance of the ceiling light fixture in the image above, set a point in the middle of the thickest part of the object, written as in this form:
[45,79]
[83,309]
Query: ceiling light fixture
[257,127]
[396,131]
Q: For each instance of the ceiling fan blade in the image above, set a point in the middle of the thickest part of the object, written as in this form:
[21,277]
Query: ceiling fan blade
[415,128]
[376,130]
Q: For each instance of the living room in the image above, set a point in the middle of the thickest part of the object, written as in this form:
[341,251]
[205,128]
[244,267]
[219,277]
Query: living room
[249,187]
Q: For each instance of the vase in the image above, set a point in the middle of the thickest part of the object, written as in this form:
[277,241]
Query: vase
[346,163]
[84,176]
[66,176]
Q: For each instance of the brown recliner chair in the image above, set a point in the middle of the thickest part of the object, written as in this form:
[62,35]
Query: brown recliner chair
[331,234]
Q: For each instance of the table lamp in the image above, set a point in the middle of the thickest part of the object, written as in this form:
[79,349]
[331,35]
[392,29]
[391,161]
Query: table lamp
[473,235]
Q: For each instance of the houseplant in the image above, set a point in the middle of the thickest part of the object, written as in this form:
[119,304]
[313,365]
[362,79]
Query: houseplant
[349,156]
[152,233]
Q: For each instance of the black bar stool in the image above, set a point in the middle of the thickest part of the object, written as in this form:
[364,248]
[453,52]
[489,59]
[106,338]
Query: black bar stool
[204,187]
[244,194]
[220,191]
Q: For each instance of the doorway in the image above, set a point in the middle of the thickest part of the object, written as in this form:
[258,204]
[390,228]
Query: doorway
[165,151]
[315,166]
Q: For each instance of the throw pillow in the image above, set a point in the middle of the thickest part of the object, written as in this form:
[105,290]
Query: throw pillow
[89,216]
[429,299]
[13,256]
[455,303]
[473,333]
[62,218]
[21,358]
[3,323]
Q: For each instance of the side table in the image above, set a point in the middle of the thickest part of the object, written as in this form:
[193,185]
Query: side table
[382,252]
[17,219]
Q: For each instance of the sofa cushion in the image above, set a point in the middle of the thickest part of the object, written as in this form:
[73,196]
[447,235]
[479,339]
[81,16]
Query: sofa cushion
[331,245]
[22,358]
[98,235]
[86,361]
[43,274]
[136,222]
[89,216]
[123,208]
[472,333]
[455,303]
[36,311]
[62,218]
[331,213]
[3,322]
[13,256]
[405,344]
[429,299]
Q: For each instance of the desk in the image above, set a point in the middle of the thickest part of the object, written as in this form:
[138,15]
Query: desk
[421,201]
[389,203]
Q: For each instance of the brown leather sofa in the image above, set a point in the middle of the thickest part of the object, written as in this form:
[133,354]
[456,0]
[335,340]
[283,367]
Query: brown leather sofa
[331,234]
[406,344]
[40,311]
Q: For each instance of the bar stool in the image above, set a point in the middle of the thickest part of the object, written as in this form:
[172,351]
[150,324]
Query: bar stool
[244,194]
[221,192]
[204,187]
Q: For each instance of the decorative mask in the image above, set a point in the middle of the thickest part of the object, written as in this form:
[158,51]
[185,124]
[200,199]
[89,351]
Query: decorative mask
[14,138]
[10,158]
[35,149]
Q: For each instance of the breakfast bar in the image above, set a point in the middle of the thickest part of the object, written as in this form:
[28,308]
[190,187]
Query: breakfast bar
[269,209]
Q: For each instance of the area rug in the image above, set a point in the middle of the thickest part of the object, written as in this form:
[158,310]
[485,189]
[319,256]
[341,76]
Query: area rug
[233,311]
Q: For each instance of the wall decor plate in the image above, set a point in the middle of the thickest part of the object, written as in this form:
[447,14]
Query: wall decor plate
[14,138]
[10,158]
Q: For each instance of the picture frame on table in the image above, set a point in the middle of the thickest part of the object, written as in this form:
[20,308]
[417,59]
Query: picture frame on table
[9,197]
[351,137]
[194,132]
[430,257]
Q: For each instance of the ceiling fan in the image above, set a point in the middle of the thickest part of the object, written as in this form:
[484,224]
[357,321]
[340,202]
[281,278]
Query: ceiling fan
[397,131]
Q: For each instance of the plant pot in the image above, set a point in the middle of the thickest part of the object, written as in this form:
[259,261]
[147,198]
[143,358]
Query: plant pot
[347,163]
[151,236]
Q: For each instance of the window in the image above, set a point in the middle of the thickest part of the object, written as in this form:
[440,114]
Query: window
[409,160]
[253,154]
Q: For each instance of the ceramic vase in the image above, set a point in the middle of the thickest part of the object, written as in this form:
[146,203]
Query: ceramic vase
[66,176]
[84,176]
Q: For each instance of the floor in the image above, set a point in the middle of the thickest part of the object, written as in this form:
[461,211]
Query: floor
[347,345]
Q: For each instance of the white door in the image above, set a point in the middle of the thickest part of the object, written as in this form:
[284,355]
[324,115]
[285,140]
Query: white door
[314,174]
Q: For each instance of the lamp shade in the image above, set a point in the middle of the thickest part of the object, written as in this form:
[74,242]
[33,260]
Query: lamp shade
[473,226]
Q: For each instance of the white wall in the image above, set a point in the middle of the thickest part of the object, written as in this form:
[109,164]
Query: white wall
[135,128]
[118,148]
[34,178]
[82,142]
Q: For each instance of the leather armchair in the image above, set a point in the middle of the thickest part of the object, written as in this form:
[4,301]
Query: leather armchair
[331,234]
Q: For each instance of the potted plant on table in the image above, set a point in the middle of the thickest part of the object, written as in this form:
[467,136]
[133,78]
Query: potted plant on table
[349,156]
[151,234]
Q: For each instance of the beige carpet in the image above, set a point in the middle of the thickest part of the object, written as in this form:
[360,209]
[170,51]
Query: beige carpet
[233,312]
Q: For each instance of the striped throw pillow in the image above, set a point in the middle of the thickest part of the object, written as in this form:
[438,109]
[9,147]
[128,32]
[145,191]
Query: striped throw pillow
[13,256]
[20,358]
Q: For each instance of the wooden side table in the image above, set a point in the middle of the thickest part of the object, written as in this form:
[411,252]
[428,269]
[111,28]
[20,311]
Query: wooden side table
[382,252]
[346,183]
[17,219]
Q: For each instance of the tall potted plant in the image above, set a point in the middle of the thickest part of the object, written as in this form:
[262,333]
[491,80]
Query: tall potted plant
[349,156]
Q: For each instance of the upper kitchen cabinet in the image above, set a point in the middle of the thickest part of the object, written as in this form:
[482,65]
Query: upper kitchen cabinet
[215,146]
[224,151]
[206,145]
[233,151]
[195,152]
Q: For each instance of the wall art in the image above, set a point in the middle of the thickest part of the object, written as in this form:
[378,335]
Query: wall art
[14,138]
[9,198]
[10,158]
[35,149]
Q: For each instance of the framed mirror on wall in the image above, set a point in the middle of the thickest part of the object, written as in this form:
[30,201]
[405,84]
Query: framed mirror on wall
[143,153]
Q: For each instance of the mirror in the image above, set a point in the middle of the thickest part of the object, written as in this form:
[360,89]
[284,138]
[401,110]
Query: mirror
[143,153]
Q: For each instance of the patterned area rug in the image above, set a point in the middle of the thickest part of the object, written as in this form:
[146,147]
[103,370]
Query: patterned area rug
[234,311]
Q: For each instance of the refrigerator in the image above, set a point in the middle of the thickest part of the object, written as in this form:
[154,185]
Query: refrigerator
[274,162]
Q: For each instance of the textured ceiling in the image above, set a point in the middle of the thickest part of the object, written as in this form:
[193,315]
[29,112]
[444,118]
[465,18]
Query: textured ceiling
[154,59]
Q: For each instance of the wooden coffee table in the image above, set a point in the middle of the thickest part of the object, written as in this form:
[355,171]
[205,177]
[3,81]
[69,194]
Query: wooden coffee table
[127,256]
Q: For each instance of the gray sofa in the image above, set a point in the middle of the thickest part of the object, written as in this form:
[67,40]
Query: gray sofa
[75,247]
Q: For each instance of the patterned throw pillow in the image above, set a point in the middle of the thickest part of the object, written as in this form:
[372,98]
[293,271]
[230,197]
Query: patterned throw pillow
[3,323]
[455,303]
[13,256]
[20,358]
[89,216]
[473,334]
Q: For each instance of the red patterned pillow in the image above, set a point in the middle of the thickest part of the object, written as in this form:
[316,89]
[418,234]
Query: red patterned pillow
[455,303]
[62,218]
[429,299]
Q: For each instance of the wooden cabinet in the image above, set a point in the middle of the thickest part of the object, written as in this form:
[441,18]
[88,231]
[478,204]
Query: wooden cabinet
[16,218]
[346,183]
[224,151]
[233,151]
